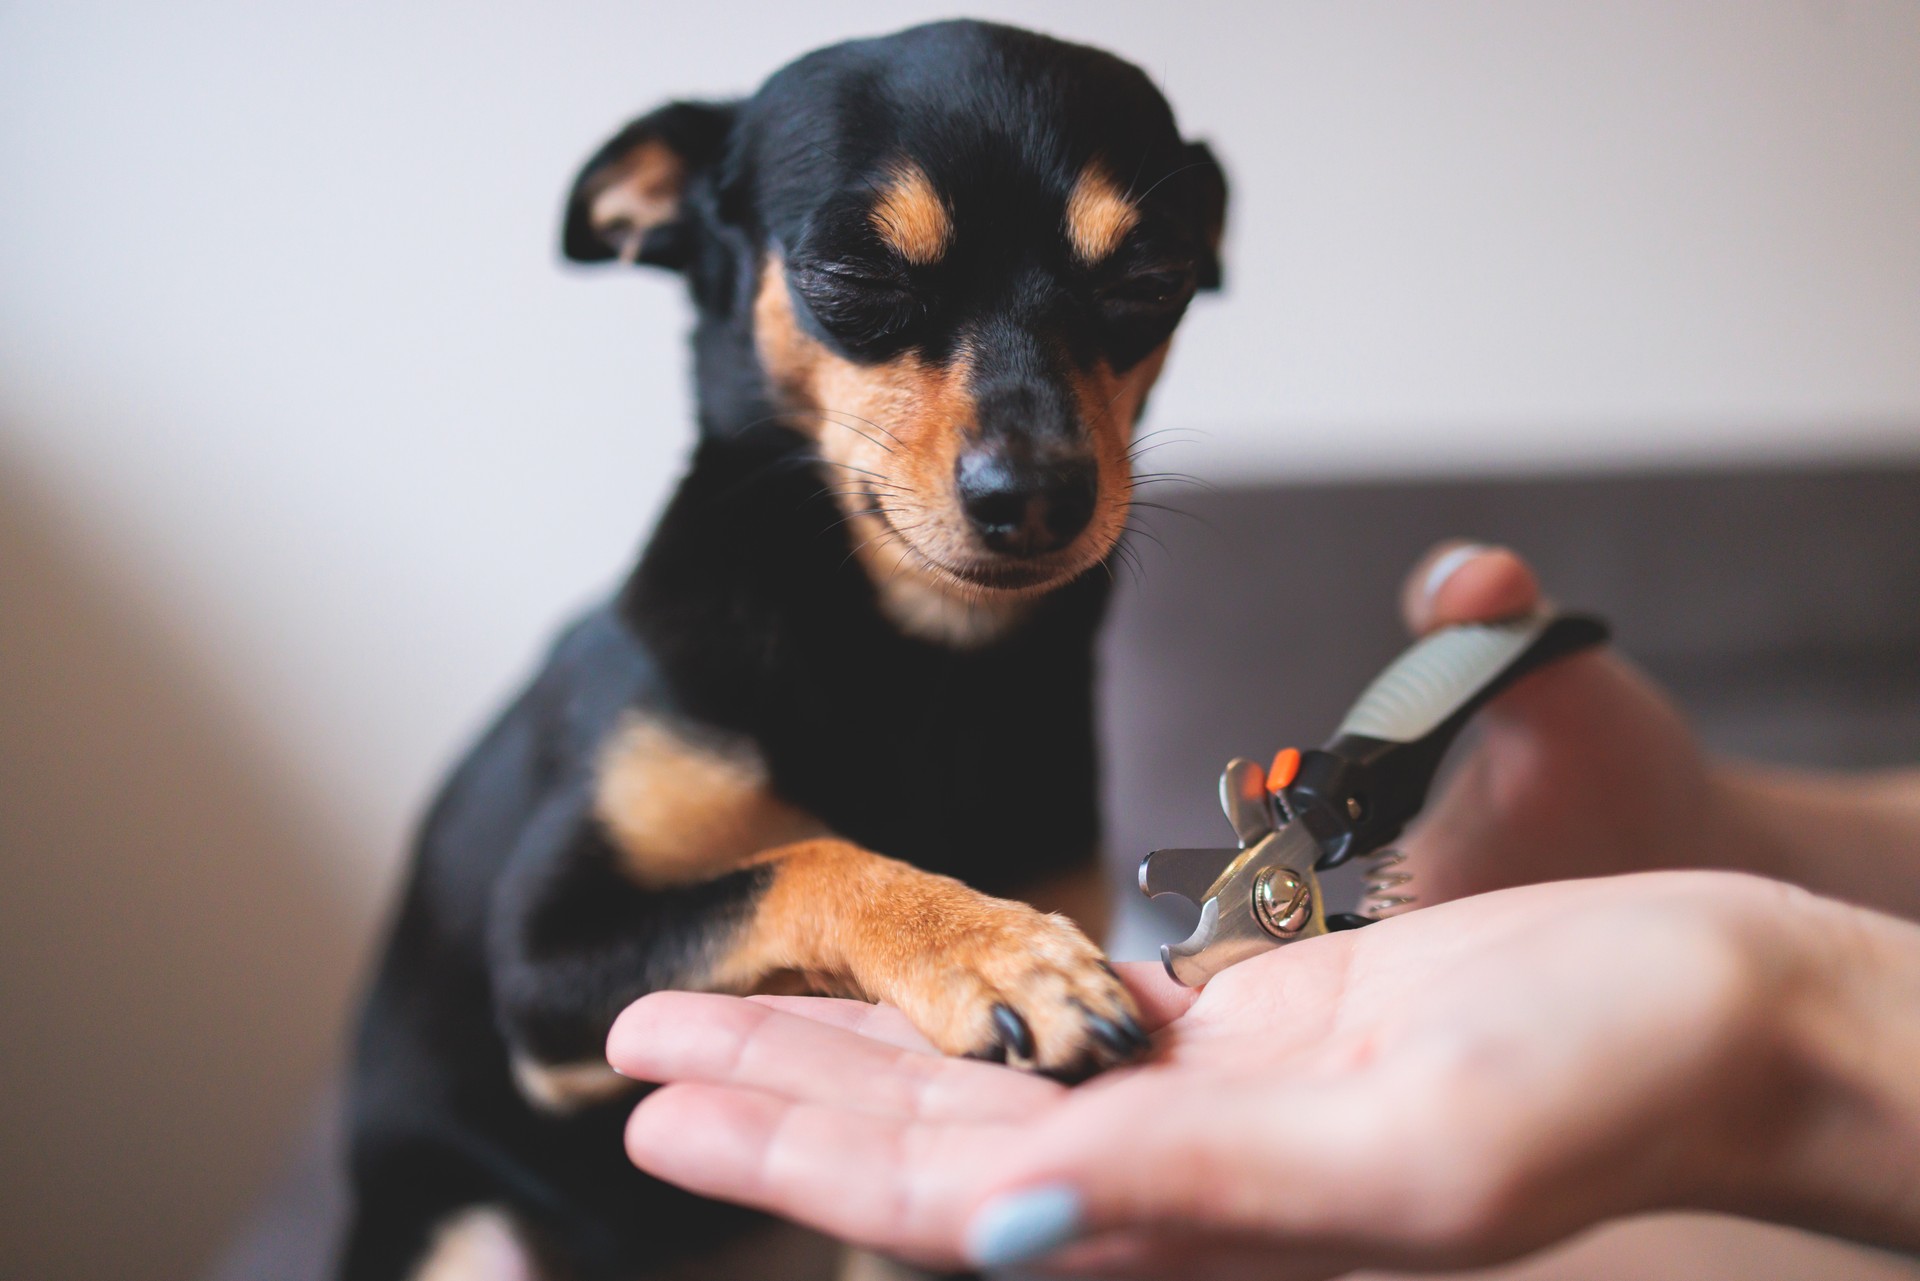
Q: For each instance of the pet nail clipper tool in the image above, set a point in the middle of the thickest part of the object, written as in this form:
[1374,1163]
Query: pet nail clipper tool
[1315,810]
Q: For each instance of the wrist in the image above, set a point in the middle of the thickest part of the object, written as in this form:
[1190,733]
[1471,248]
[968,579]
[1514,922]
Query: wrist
[1837,1133]
[1746,829]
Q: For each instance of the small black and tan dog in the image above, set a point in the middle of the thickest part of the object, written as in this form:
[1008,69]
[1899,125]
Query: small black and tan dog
[836,731]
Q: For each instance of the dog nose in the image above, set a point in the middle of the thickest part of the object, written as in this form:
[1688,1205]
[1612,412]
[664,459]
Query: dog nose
[1021,507]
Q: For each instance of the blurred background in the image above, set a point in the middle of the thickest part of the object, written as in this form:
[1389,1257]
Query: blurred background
[307,440]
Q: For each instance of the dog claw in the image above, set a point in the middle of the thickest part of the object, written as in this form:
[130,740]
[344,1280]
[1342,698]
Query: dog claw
[1082,1070]
[1015,1035]
[1118,1036]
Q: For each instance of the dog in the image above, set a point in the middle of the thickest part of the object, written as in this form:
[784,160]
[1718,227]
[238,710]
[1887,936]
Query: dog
[835,733]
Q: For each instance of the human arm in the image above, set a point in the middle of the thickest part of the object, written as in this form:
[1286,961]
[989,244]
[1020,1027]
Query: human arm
[1455,1087]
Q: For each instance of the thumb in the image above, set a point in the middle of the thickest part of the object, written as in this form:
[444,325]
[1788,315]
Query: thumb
[1542,795]
[1463,582]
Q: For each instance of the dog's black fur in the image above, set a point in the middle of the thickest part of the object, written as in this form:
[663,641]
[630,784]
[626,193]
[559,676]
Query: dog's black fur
[751,619]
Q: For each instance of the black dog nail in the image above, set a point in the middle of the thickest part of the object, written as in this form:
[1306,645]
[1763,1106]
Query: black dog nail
[1109,1033]
[1074,1073]
[1014,1032]
[1122,1036]
[995,1053]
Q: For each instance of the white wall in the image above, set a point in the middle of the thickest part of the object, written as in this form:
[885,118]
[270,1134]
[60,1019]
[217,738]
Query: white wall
[306,440]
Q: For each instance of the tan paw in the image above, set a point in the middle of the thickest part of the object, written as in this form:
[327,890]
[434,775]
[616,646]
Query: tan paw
[998,980]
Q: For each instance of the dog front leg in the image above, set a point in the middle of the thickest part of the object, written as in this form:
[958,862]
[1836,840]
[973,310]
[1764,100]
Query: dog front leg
[573,939]
[979,976]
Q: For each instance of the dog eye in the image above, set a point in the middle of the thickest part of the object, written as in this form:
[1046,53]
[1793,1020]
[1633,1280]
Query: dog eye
[1160,289]
[856,305]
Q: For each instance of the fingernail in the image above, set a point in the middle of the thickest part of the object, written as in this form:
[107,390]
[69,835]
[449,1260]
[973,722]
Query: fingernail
[1443,569]
[1023,1225]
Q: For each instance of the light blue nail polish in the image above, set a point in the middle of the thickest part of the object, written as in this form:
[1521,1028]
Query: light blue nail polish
[1444,568]
[1023,1225]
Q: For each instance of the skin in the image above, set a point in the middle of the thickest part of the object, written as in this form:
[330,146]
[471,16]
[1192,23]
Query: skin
[1541,797]
[1457,1086]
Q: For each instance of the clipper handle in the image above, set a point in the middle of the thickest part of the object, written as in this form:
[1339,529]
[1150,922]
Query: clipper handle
[1358,793]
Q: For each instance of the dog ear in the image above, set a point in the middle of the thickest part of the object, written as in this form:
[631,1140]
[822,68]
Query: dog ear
[1208,183]
[629,202]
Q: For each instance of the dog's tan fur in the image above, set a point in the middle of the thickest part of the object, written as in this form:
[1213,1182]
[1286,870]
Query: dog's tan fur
[685,806]
[1099,215]
[482,1243]
[891,433]
[911,216]
[855,922]
[638,193]
[560,1089]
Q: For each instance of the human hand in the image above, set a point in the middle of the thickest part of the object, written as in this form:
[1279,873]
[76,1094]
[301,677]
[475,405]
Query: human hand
[1583,768]
[1454,1087]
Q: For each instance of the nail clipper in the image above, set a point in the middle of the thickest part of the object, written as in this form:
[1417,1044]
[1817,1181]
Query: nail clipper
[1313,811]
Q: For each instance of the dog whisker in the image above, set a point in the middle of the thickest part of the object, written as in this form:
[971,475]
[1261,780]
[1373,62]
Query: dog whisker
[1182,477]
[853,516]
[832,417]
[1131,559]
[1141,504]
[1172,173]
[1148,534]
[1146,444]
[869,422]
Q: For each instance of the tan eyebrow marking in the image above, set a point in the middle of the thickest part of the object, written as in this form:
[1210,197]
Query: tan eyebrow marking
[1099,215]
[911,216]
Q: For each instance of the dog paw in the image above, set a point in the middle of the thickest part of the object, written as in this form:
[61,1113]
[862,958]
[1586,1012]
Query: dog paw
[1004,982]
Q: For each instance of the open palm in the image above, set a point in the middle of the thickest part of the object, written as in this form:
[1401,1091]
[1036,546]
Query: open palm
[1450,1087]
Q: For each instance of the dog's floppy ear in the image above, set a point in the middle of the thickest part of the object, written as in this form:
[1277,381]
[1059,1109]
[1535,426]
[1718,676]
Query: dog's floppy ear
[1208,183]
[629,202]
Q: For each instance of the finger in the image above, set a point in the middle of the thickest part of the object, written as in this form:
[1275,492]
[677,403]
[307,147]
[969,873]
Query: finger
[722,1040]
[1160,999]
[881,1182]
[1198,1256]
[875,1022]
[1000,1193]
[1152,1156]
[1461,582]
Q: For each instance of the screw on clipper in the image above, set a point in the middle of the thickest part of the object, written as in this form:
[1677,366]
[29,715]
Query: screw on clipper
[1283,901]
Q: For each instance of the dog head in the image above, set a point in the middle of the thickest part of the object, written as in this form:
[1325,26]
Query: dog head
[953,259]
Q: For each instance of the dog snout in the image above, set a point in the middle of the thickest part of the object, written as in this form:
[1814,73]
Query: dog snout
[1023,506]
